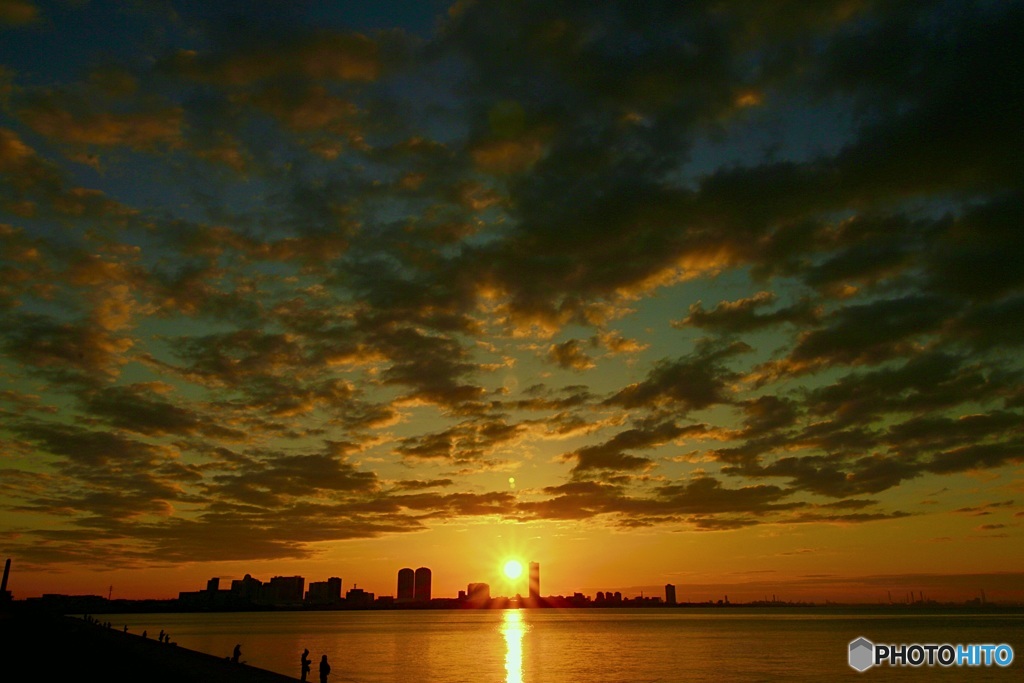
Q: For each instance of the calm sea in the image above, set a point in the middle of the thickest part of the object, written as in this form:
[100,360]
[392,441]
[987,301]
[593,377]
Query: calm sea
[586,645]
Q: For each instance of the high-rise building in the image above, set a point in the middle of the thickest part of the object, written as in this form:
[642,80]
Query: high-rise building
[4,593]
[247,589]
[478,592]
[357,597]
[324,592]
[421,589]
[283,590]
[670,594]
[406,582]
[534,580]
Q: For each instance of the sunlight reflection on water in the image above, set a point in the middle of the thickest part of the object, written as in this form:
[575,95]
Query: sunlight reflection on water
[586,645]
[512,628]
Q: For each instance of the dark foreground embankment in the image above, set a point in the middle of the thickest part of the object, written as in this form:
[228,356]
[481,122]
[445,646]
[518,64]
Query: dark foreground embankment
[57,648]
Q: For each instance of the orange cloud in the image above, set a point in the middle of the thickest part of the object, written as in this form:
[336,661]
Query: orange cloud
[143,130]
[17,12]
[323,56]
[507,156]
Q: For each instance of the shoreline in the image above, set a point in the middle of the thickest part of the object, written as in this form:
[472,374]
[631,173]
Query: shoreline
[68,648]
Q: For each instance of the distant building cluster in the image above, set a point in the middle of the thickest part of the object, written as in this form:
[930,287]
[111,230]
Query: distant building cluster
[414,591]
[280,591]
[603,597]
[290,592]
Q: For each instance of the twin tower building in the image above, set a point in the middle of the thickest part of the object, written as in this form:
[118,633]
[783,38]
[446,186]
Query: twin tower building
[414,585]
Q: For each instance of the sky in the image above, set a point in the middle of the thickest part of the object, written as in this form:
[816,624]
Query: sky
[720,294]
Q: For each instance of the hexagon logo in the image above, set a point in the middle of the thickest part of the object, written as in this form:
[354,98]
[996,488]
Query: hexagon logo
[862,654]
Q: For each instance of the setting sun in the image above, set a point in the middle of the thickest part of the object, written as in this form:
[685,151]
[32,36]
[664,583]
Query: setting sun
[513,569]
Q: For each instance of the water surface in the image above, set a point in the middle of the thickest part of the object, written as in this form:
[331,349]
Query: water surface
[585,645]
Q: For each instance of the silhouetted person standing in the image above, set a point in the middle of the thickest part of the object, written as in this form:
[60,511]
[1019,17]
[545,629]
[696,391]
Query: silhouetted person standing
[306,663]
[325,669]
[237,653]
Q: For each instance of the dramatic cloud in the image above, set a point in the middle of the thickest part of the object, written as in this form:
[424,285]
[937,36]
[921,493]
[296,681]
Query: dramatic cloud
[671,266]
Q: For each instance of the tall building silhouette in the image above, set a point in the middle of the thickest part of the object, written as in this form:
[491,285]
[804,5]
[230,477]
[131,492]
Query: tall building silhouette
[247,589]
[324,592]
[285,590]
[478,592]
[670,594]
[4,594]
[406,582]
[421,589]
[534,580]
[357,597]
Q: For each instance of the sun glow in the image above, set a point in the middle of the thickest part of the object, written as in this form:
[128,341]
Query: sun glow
[513,569]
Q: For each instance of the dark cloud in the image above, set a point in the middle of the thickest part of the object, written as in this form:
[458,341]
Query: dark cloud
[766,414]
[706,495]
[702,503]
[271,480]
[867,250]
[927,107]
[472,441]
[269,268]
[105,479]
[991,326]
[985,508]
[140,409]
[834,476]
[869,333]
[540,397]
[925,382]
[74,352]
[570,355]
[938,433]
[977,456]
[458,504]
[417,484]
[689,383]
[974,258]
[434,367]
[741,316]
[612,455]
[853,518]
